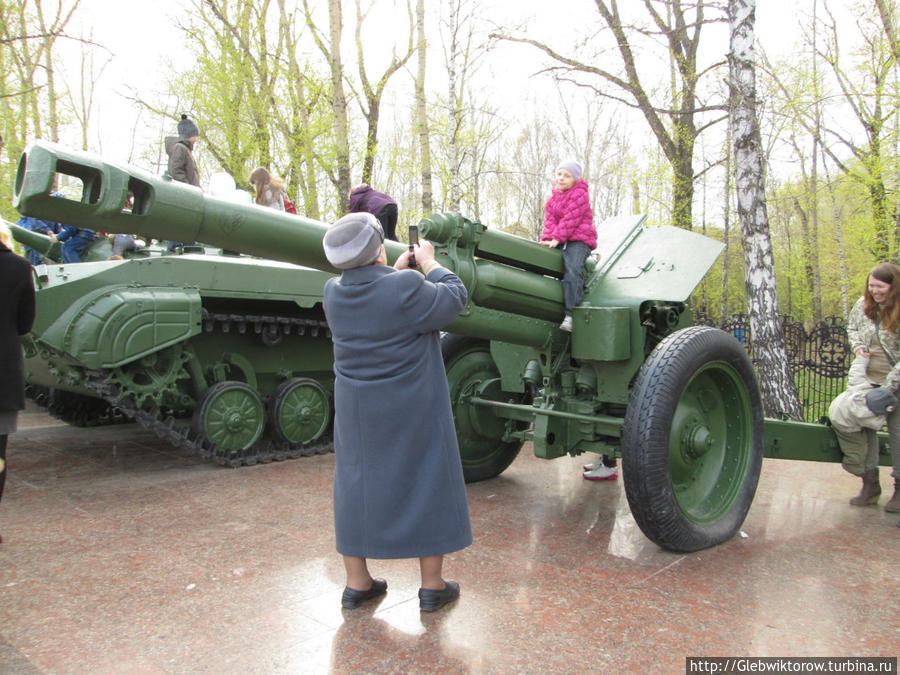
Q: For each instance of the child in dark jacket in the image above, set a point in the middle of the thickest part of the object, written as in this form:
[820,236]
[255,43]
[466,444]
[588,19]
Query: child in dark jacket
[569,223]
[364,199]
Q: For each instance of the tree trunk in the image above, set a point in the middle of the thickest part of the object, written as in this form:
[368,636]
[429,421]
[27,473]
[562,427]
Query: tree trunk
[839,235]
[339,105]
[808,270]
[726,225]
[373,95]
[779,395]
[453,100]
[422,113]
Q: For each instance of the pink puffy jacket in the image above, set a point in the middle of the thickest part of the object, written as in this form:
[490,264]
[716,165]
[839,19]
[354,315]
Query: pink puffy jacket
[568,216]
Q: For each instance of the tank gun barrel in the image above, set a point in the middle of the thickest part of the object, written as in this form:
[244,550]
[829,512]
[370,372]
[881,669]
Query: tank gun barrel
[35,240]
[162,209]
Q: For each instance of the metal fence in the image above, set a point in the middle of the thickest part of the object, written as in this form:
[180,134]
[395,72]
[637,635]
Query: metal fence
[819,357]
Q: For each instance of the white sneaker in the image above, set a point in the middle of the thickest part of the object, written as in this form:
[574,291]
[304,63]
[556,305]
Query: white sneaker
[591,467]
[566,324]
[602,473]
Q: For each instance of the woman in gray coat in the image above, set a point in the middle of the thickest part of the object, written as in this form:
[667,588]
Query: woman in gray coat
[398,484]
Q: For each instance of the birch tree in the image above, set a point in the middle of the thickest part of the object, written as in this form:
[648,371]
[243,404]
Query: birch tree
[779,395]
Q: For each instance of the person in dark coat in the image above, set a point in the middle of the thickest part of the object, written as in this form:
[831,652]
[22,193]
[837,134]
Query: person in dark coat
[16,317]
[180,149]
[398,485]
[363,199]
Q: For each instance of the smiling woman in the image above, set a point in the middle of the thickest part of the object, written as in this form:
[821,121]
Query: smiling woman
[873,330]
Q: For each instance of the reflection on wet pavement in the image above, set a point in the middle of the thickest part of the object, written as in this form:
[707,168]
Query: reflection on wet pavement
[122,554]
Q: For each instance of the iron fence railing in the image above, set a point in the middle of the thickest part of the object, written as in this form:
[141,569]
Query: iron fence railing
[819,357]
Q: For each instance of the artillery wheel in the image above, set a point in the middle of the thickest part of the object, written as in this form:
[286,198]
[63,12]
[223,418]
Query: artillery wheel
[479,432]
[692,442]
[231,415]
[300,411]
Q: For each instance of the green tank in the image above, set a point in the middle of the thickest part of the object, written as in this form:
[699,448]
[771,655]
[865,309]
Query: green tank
[223,354]
[679,404]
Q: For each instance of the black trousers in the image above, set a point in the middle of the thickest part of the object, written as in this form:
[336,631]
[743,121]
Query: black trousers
[388,219]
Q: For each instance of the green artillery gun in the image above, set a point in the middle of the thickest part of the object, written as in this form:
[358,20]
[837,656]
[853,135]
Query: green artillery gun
[679,404]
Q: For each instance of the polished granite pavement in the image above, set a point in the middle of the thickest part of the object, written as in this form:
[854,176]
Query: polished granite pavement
[123,555]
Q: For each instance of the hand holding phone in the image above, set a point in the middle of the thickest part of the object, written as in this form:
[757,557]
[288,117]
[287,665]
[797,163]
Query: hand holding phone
[413,241]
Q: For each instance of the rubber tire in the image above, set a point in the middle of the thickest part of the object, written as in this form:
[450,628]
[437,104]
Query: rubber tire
[470,359]
[704,372]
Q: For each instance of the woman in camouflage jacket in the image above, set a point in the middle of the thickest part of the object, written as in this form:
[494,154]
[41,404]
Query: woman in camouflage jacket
[873,330]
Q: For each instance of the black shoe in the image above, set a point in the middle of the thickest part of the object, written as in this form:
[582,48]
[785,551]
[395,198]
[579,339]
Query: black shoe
[431,600]
[351,599]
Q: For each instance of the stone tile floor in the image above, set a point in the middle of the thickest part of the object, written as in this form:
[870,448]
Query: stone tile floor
[123,555]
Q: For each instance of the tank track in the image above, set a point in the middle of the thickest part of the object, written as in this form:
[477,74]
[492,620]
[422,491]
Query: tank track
[265,325]
[164,425]
[79,411]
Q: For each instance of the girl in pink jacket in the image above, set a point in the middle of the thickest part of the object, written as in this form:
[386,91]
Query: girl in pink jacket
[569,223]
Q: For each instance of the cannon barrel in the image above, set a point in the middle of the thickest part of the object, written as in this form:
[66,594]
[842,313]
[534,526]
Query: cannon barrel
[162,209]
[39,242]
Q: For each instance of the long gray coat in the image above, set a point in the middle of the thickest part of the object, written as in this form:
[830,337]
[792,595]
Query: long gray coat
[398,483]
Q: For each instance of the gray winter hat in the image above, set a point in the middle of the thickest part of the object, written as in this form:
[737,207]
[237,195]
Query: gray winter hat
[881,401]
[573,168]
[187,128]
[353,241]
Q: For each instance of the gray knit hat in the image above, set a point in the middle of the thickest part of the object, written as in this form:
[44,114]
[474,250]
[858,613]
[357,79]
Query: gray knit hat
[187,128]
[573,168]
[881,401]
[353,241]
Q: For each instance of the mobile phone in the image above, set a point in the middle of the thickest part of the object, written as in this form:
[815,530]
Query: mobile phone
[413,240]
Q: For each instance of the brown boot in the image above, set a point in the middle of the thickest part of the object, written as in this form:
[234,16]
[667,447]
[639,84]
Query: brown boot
[893,506]
[871,489]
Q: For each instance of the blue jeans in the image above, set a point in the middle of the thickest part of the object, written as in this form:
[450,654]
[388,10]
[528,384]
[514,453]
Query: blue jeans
[32,256]
[575,253]
[74,245]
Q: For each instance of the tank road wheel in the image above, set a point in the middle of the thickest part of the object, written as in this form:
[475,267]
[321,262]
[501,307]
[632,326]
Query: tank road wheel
[231,415]
[469,364]
[692,441]
[300,411]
